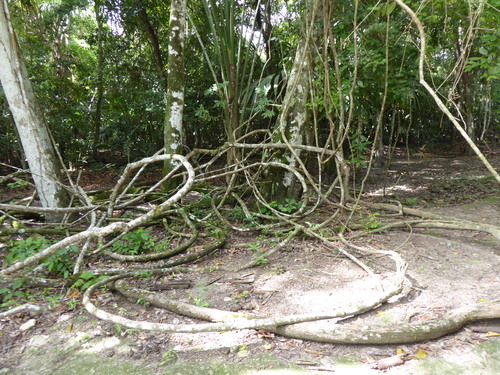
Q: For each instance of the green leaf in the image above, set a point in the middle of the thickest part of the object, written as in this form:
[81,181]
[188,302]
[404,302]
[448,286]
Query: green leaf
[17,284]
[88,284]
[390,8]
[483,51]
[86,275]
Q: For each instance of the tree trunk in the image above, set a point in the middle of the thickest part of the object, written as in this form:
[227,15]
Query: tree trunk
[153,38]
[293,121]
[33,131]
[466,100]
[173,128]
[97,116]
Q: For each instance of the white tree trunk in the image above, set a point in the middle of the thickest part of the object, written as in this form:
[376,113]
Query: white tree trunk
[28,118]
[173,127]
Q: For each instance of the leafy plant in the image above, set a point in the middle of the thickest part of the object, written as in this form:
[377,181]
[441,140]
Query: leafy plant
[134,243]
[411,201]
[359,145]
[142,302]
[371,221]
[250,221]
[13,294]
[59,263]
[72,303]
[288,206]
[217,232]
[53,300]
[17,184]
[20,250]
[241,296]
[169,353]
[200,300]
[170,356]
[145,275]
[86,280]
[237,213]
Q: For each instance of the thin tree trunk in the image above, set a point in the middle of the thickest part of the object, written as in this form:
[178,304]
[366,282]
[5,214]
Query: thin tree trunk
[97,117]
[173,127]
[33,131]
[155,43]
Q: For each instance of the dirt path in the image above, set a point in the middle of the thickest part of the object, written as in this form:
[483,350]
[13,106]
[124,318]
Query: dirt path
[447,269]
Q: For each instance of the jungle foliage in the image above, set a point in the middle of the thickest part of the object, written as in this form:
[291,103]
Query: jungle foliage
[238,57]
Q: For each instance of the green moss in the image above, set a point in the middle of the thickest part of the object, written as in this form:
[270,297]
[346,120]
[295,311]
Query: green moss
[77,365]
[491,200]
[433,232]
[64,363]
[439,366]
[267,362]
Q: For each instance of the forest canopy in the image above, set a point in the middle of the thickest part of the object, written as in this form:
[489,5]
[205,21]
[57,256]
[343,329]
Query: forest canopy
[100,72]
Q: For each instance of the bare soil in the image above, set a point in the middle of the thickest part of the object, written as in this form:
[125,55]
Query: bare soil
[447,269]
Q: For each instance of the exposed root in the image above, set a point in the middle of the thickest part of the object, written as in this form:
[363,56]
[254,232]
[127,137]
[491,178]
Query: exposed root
[404,333]
[94,232]
[328,332]
[290,222]
[226,320]
[437,221]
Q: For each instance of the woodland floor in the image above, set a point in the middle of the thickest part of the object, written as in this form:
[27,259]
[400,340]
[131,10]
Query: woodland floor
[447,269]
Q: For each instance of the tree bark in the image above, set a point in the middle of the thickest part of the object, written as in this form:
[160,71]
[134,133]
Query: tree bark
[293,121]
[33,131]
[155,43]
[173,127]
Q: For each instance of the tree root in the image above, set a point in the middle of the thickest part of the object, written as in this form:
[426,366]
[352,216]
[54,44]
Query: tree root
[32,281]
[223,320]
[397,333]
[404,333]
[41,231]
[438,221]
